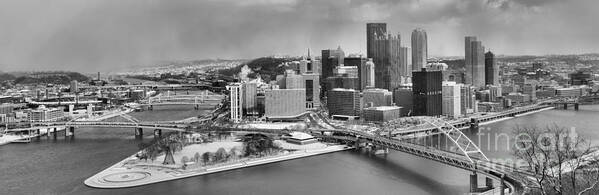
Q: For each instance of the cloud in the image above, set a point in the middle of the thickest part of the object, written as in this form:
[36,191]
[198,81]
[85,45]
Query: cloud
[99,35]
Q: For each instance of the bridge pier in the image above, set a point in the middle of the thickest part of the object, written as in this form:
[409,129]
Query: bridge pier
[576,106]
[473,123]
[157,133]
[488,183]
[473,182]
[54,132]
[72,131]
[565,106]
[139,132]
[501,186]
[357,144]
[37,131]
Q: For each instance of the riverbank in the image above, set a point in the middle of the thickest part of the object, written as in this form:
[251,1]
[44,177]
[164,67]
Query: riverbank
[7,139]
[121,176]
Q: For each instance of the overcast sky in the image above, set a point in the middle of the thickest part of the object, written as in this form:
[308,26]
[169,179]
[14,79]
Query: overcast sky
[102,35]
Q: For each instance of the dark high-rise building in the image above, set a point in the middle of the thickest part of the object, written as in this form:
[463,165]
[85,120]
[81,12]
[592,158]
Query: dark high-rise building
[373,30]
[345,102]
[330,59]
[491,69]
[580,78]
[386,57]
[357,61]
[403,97]
[427,90]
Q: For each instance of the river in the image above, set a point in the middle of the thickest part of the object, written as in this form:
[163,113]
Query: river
[59,166]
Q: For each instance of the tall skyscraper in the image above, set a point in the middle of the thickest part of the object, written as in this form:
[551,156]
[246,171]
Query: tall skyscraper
[373,30]
[491,69]
[468,58]
[250,90]
[367,76]
[386,56]
[426,86]
[474,61]
[236,101]
[405,69]
[419,49]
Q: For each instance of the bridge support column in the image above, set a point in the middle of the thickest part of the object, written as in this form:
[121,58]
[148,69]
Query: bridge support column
[501,186]
[72,131]
[139,132]
[157,133]
[54,132]
[38,134]
[473,182]
[576,106]
[489,182]
[357,144]
[473,124]
[565,106]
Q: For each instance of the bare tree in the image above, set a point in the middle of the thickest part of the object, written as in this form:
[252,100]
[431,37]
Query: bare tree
[562,161]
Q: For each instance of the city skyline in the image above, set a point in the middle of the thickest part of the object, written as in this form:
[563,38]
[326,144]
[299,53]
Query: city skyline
[103,36]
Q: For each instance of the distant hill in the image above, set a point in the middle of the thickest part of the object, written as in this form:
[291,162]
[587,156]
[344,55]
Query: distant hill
[454,64]
[57,77]
[6,77]
[267,67]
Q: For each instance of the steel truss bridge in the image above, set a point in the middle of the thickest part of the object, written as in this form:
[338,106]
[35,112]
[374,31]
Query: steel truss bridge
[158,86]
[427,129]
[183,99]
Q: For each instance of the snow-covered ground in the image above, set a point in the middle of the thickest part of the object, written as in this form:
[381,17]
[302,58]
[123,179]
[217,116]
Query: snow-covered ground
[290,126]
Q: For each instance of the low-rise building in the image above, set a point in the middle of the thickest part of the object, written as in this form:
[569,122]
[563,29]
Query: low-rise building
[344,102]
[568,92]
[43,114]
[300,138]
[377,97]
[381,113]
